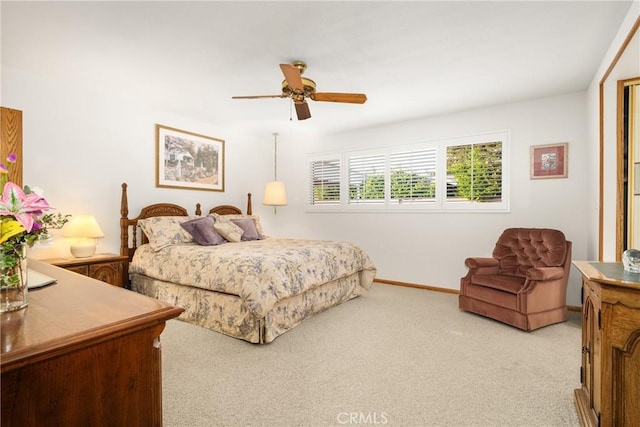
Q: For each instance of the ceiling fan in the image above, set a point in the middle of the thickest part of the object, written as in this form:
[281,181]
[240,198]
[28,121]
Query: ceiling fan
[300,88]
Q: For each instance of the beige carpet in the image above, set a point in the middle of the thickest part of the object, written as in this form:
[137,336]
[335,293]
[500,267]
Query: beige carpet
[395,356]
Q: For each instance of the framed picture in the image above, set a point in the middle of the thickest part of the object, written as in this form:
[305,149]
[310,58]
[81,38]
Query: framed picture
[549,161]
[188,160]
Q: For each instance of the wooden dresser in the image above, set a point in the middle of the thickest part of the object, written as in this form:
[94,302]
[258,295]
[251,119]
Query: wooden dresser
[610,375]
[83,352]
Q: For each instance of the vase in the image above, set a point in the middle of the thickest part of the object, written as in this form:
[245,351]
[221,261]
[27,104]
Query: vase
[11,325]
[13,277]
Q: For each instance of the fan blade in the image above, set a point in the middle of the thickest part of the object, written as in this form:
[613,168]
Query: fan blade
[302,110]
[351,98]
[258,96]
[292,76]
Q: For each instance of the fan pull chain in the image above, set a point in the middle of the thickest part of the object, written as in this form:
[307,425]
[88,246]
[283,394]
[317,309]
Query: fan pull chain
[291,111]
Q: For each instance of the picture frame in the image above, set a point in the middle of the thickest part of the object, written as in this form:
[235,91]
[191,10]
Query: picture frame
[549,161]
[188,160]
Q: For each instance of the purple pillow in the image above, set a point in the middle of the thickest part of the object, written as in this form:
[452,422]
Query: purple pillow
[248,225]
[202,231]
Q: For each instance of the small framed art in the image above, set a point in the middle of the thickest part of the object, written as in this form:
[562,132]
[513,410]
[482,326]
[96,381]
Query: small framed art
[549,161]
[188,160]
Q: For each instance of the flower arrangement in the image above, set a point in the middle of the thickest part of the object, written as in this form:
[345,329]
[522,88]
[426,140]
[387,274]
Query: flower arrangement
[23,223]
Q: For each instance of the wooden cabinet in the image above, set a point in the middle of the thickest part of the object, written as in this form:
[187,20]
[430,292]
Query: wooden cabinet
[610,373]
[82,353]
[591,346]
[110,268]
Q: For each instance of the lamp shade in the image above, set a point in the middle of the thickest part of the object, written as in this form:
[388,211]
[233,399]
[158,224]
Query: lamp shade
[84,230]
[83,226]
[275,194]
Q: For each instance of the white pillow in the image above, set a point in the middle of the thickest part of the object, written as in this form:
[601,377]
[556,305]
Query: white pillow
[228,230]
[163,231]
[256,219]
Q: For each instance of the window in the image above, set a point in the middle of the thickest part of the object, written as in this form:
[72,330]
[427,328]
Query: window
[413,176]
[367,179]
[466,173]
[474,172]
[325,182]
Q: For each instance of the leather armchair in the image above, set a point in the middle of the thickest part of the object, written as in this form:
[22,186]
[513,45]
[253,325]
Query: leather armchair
[524,283]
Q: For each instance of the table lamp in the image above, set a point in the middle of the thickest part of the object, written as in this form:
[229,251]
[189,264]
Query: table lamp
[84,230]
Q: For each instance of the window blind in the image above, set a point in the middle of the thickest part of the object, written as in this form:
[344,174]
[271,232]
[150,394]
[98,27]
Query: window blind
[413,176]
[366,179]
[325,178]
[465,173]
[474,173]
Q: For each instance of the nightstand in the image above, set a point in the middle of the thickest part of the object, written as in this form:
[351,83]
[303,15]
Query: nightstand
[110,268]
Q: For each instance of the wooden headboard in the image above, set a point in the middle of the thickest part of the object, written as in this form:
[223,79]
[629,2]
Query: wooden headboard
[129,226]
[230,210]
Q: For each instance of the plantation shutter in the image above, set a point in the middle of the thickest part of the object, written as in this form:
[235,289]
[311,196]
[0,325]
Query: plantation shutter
[366,179]
[474,173]
[413,175]
[325,178]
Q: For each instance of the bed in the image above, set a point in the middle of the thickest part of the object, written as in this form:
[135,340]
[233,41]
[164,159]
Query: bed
[253,287]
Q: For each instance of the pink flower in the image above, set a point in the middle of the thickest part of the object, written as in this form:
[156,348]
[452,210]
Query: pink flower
[23,207]
[11,158]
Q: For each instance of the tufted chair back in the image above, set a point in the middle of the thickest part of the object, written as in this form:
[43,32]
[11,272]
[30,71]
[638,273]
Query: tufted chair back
[519,249]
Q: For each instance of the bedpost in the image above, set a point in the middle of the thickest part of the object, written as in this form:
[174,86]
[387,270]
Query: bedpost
[249,209]
[198,210]
[124,229]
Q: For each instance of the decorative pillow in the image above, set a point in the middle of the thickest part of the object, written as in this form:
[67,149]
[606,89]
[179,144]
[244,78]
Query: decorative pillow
[228,230]
[163,231]
[248,226]
[255,218]
[202,231]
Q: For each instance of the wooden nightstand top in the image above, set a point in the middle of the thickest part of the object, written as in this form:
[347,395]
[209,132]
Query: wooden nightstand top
[97,258]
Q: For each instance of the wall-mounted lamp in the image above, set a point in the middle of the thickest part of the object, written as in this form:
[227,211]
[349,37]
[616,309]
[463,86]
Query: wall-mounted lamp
[275,193]
[84,230]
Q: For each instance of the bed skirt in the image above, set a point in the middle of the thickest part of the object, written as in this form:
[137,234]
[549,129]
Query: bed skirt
[228,314]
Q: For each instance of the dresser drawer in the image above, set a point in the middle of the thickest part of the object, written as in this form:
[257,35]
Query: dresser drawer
[82,269]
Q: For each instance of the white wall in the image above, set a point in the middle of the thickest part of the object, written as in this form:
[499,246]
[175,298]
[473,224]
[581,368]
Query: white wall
[430,248]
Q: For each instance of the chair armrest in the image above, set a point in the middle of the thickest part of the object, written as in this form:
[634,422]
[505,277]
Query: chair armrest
[545,273]
[480,262]
[481,266]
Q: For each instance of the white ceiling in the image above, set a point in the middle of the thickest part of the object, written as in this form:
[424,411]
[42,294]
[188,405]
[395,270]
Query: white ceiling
[412,59]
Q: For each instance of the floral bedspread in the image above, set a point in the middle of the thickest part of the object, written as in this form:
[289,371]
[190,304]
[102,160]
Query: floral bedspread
[261,272]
